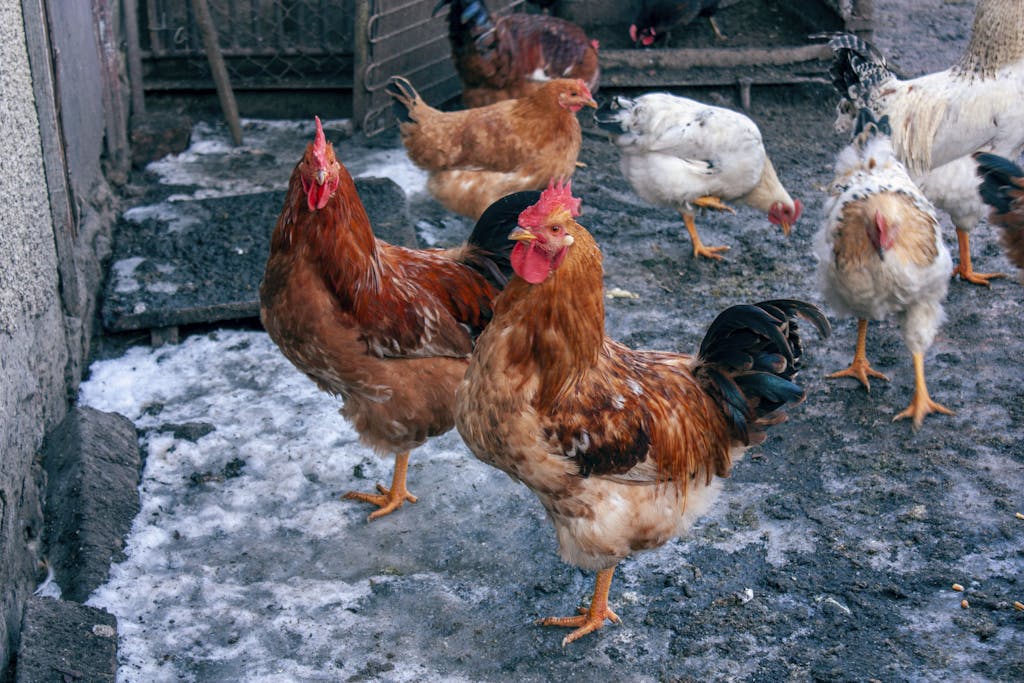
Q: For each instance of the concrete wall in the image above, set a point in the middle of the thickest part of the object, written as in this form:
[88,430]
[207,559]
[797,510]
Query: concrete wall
[53,238]
[33,346]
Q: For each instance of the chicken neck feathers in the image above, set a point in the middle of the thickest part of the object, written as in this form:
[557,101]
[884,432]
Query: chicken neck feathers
[405,302]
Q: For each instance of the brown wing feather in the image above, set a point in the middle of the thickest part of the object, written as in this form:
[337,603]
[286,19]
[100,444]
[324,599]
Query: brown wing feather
[642,416]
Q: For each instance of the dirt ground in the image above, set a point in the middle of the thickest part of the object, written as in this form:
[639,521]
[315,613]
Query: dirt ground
[832,551]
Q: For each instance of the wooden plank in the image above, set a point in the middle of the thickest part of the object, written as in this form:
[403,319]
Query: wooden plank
[37,40]
[722,66]
[115,126]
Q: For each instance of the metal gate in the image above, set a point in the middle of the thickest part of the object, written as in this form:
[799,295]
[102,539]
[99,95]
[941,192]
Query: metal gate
[402,37]
[306,45]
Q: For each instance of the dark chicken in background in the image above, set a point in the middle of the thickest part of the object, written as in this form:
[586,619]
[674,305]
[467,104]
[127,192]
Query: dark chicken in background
[388,329]
[1002,188]
[513,55]
[656,19]
[624,448]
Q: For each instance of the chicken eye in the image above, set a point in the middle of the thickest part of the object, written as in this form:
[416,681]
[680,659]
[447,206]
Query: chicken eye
[556,228]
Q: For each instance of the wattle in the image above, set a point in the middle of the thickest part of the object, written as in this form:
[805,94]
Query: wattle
[530,263]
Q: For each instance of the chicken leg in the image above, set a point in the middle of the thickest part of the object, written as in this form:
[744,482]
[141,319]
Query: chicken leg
[921,404]
[964,268]
[860,367]
[391,499]
[698,247]
[714,27]
[589,620]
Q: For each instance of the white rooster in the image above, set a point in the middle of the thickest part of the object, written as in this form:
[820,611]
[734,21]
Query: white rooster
[938,120]
[881,254]
[683,154]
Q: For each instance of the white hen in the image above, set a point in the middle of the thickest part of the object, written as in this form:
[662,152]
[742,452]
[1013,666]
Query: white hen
[938,120]
[881,254]
[683,154]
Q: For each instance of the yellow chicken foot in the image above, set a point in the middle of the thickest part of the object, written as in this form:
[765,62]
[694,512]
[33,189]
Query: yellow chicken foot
[860,367]
[391,499]
[921,404]
[698,247]
[964,268]
[710,202]
[589,620]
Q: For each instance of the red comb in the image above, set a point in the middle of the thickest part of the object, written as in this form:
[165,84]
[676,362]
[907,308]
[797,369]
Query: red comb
[320,144]
[558,195]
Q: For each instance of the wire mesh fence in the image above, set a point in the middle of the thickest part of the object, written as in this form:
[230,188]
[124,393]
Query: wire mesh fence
[266,44]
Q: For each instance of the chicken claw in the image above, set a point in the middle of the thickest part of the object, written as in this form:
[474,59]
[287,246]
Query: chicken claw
[860,368]
[964,268]
[921,404]
[592,619]
[391,499]
[698,247]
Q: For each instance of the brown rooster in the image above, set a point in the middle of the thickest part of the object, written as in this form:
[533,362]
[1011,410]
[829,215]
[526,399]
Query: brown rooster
[511,56]
[388,329]
[1002,188]
[624,448]
[476,156]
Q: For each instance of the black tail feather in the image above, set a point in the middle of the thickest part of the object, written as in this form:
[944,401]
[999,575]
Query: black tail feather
[997,180]
[608,116]
[749,358]
[490,235]
[470,26]
[857,66]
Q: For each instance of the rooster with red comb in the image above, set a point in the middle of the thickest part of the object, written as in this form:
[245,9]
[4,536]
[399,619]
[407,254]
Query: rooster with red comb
[387,329]
[624,448]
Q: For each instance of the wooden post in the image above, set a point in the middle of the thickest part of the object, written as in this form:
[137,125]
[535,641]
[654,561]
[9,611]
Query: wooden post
[220,72]
[131,34]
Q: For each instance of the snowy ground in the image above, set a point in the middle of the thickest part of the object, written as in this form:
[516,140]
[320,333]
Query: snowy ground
[830,555]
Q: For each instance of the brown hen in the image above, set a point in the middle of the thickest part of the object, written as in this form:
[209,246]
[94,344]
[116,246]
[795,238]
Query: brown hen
[476,156]
[386,328]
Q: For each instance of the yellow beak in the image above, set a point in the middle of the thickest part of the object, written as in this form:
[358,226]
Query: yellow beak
[321,176]
[521,235]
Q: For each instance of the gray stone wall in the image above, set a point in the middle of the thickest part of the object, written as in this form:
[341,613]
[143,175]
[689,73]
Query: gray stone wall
[33,346]
[49,277]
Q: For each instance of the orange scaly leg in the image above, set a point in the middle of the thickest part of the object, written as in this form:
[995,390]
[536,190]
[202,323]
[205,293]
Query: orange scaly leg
[589,620]
[712,202]
[391,499]
[860,368]
[921,404]
[698,247]
[964,268]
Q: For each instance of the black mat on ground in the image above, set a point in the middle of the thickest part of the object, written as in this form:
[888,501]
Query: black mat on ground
[203,261]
